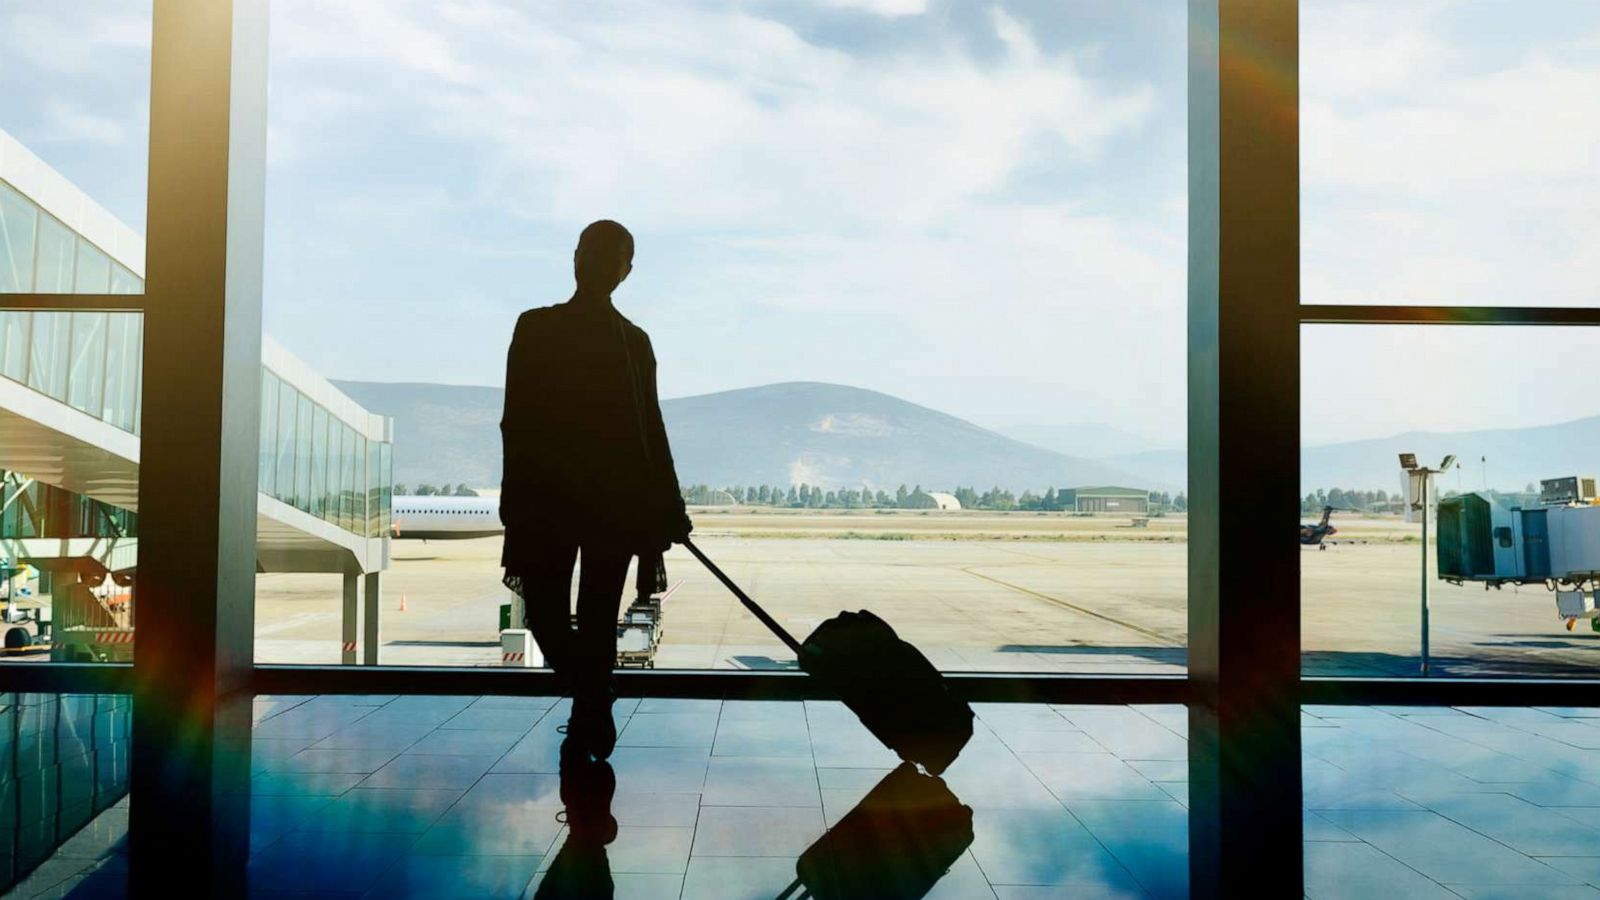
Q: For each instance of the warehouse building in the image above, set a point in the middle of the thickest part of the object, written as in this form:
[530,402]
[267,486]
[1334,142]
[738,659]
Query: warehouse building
[1106,500]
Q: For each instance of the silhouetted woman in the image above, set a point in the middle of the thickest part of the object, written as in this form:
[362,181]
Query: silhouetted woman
[587,471]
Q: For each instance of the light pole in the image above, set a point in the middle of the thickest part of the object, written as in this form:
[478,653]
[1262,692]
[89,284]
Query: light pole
[1421,485]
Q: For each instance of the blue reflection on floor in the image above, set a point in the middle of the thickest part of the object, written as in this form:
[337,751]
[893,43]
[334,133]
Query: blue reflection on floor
[460,797]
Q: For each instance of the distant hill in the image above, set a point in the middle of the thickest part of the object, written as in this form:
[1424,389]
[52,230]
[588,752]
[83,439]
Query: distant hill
[820,434]
[1516,457]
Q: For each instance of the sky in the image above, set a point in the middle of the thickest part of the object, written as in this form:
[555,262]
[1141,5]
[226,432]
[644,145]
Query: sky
[976,206]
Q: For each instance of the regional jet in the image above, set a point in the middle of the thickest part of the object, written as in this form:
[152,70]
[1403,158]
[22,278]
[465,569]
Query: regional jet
[437,518]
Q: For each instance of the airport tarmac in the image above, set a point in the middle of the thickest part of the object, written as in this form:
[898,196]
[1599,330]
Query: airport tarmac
[990,592]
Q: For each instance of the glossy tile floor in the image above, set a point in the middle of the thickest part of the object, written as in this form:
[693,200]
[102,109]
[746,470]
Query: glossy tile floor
[461,797]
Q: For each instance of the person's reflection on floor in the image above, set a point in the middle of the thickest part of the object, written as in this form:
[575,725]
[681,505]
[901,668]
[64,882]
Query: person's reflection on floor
[894,845]
[581,868]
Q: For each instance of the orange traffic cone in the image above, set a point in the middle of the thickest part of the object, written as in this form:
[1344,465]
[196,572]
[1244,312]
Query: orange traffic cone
[402,602]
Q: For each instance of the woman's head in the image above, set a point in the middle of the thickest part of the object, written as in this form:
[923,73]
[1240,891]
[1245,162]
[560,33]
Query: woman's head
[604,256]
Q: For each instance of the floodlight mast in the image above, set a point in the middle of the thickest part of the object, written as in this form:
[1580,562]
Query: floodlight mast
[1423,476]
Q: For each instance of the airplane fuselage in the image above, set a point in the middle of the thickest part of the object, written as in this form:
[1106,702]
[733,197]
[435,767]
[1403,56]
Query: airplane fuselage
[437,518]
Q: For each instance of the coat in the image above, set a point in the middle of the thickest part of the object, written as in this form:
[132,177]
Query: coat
[586,458]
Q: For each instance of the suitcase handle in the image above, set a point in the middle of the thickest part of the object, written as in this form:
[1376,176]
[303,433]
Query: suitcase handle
[744,598]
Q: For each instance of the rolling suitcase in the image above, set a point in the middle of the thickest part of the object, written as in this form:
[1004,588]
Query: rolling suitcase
[898,695]
[896,844]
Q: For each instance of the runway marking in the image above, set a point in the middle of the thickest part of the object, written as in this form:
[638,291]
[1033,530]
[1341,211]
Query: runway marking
[1153,635]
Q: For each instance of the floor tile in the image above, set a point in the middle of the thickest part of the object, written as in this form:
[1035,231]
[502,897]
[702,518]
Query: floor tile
[761,781]
[1358,871]
[1043,847]
[464,877]
[382,810]
[1443,850]
[327,862]
[1149,838]
[419,771]
[669,730]
[737,878]
[756,830]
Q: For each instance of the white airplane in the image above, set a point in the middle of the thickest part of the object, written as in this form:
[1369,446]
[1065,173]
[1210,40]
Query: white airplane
[438,518]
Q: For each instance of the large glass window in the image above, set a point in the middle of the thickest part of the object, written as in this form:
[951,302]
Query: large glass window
[17,218]
[1501,555]
[1450,166]
[823,263]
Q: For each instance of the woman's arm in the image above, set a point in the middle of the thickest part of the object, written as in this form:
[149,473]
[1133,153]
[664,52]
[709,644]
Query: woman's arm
[518,420]
[676,522]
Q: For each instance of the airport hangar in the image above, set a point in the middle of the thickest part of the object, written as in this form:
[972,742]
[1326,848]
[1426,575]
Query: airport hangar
[1105,500]
[69,432]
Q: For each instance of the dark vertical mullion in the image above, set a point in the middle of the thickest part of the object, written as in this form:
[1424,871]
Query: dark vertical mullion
[1244,617]
[197,484]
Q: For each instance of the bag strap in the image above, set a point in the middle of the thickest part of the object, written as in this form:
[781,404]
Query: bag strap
[744,598]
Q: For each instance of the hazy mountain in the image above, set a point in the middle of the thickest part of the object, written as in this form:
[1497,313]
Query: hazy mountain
[1515,457]
[821,434]
[1088,439]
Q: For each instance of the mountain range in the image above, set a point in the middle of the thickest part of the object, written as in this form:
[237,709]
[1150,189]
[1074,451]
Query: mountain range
[838,436]
[791,433]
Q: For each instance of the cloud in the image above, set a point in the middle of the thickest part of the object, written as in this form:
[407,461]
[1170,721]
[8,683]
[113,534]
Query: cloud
[811,185]
[889,9]
[1449,167]
[64,121]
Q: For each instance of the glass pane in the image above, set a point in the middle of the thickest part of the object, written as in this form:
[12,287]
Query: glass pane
[1500,553]
[373,489]
[94,270]
[349,518]
[76,114]
[86,375]
[124,337]
[267,470]
[17,220]
[48,353]
[1442,160]
[302,455]
[386,495]
[288,400]
[125,282]
[319,462]
[67,766]
[997,184]
[14,328]
[57,255]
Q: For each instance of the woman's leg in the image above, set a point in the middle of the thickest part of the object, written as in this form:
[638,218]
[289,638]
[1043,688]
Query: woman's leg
[602,575]
[547,606]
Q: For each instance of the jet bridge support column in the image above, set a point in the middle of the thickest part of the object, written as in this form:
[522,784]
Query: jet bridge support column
[347,654]
[372,597]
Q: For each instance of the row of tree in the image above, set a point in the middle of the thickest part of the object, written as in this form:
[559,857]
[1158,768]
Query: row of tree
[804,496]
[1385,502]
[1351,499]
